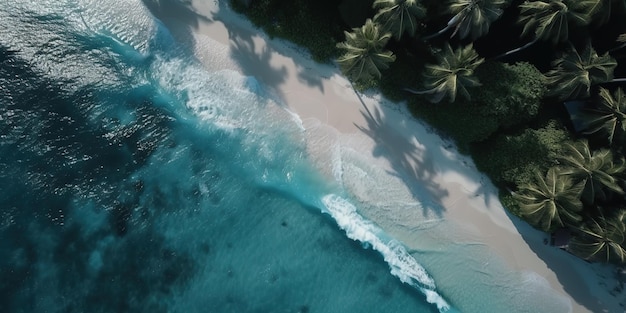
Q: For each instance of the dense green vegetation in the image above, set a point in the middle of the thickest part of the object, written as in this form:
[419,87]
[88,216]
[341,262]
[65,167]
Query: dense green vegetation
[547,124]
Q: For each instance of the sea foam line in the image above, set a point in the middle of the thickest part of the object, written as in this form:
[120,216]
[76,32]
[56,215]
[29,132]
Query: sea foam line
[402,264]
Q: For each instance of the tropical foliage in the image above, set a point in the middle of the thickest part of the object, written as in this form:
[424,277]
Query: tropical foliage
[573,74]
[365,55]
[512,126]
[513,159]
[452,75]
[552,201]
[597,170]
[621,40]
[550,20]
[601,239]
[471,18]
[607,116]
[600,10]
[399,16]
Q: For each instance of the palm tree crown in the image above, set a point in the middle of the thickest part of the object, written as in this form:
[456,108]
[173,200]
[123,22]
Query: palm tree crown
[475,16]
[399,16]
[552,201]
[596,170]
[607,116]
[549,19]
[453,74]
[599,10]
[472,18]
[573,74]
[601,239]
[364,57]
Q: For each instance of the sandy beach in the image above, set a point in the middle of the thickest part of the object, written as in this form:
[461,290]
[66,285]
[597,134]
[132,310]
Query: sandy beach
[341,123]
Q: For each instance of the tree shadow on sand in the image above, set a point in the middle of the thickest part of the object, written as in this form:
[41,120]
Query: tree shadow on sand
[410,163]
[243,50]
[179,17]
[561,263]
[183,20]
[255,60]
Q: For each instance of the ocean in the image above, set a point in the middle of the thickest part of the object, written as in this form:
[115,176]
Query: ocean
[134,179]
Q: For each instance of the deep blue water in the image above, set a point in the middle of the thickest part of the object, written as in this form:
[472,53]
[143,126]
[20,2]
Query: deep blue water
[133,180]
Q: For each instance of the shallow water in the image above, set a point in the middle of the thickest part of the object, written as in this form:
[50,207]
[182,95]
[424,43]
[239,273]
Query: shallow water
[134,180]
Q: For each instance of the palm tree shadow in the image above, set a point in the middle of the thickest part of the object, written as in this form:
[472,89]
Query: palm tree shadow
[486,189]
[410,163]
[560,262]
[179,17]
[253,59]
[243,50]
[313,80]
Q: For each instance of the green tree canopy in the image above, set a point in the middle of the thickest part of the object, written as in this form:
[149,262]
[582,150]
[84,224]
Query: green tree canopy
[599,10]
[573,74]
[550,20]
[550,202]
[365,56]
[607,115]
[471,18]
[601,239]
[399,16]
[596,170]
[452,75]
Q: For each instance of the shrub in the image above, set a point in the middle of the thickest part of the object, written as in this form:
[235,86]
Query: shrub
[511,93]
[510,160]
[464,123]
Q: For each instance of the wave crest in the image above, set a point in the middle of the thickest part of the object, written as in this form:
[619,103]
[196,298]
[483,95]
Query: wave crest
[400,261]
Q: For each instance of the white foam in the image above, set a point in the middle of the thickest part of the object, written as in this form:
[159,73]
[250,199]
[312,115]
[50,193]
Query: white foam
[402,264]
[128,22]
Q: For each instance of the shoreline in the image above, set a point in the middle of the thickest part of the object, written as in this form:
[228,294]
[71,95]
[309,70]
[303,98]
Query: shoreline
[393,141]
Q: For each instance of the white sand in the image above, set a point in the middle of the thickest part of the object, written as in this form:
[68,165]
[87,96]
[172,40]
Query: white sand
[344,125]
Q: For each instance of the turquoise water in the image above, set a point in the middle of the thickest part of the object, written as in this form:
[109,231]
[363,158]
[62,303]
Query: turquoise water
[135,180]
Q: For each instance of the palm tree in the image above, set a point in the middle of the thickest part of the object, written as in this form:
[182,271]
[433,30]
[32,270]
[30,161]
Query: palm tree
[472,18]
[453,74]
[600,10]
[399,16]
[549,20]
[601,239]
[552,201]
[573,73]
[365,57]
[596,170]
[621,39]
[607,116]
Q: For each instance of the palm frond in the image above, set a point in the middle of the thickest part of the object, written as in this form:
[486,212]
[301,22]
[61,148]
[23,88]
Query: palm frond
[601,239]
[475,16]
[453,74]
[599,11]
[471,18]
[549,20]
[607,116]
[551,201]
[399,16]
[365,56]
[598,169]
[573,74]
